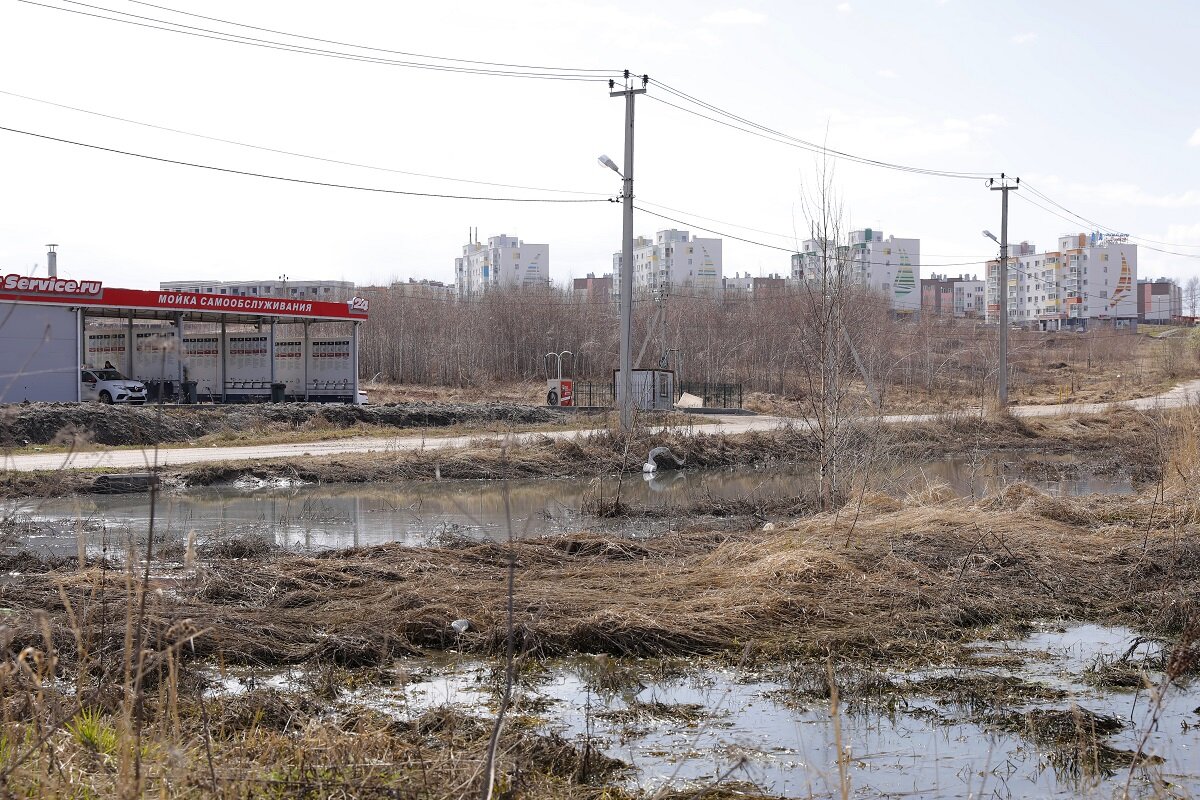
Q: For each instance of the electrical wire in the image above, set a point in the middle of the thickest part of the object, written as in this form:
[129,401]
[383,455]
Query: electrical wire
[205,33]
[362,46]
[1068,219]
[802,143]
[790,250]
[792,236]
[1097,225]
[295,154]
[303,180]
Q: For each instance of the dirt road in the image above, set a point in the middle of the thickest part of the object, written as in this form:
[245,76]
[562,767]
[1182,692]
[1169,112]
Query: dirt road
[1183,394]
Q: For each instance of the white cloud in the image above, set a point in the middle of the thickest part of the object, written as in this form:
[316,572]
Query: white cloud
[1195,140]
[843,7]
[887,73]
[736,16]
[1024,38]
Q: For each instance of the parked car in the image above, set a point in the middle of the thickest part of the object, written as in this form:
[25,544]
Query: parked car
[110,386]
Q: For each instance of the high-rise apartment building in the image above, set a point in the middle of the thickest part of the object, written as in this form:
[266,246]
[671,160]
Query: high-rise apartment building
[892,266]
[505,262]
[673,260]
[1089,277]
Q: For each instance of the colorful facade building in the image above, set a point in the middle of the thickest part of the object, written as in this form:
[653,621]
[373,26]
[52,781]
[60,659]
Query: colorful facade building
[1089,278]
[892,266]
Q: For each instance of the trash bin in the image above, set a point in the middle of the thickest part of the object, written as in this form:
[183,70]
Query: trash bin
[277,390]
[188,390]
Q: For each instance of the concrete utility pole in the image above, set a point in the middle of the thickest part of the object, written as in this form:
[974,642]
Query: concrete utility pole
[1002,379]
[625,387]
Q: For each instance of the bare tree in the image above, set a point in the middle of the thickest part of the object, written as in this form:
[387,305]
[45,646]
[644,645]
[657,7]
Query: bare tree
[822,341]
[1192,295]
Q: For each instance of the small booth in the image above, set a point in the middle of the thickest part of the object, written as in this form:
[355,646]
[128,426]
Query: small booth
[184,346]
[653,389]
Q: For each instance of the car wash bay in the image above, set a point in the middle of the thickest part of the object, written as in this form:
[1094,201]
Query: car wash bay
[184,346]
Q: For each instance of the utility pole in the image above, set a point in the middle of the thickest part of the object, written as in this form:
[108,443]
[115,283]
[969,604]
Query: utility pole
[625,387]
[1002,379]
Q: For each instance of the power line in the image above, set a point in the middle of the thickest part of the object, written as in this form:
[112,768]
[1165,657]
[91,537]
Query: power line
[802,143]
[367,47]
[792,236]
[302,180]
[1105,228]
[787,249]
[205,33]
[1073,222]
[295,154]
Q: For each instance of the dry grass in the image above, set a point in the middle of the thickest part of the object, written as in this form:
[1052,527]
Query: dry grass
[908,584]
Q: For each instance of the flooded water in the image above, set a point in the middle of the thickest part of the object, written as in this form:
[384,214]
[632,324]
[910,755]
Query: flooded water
[351,515]
[726,725]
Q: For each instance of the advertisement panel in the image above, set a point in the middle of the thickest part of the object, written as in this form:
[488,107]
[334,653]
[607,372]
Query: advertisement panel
[155,355]
[289,365]
[330,367]
[247,363]
[202,364]
[106,346]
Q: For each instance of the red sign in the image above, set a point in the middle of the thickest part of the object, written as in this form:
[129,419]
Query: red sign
[567,398]
[19,288]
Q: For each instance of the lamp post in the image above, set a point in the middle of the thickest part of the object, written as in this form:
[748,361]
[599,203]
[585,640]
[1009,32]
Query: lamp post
[625,384]
[624,388]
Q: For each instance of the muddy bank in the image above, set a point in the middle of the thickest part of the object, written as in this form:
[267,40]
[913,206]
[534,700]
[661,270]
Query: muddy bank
[1124,443]
[64,423]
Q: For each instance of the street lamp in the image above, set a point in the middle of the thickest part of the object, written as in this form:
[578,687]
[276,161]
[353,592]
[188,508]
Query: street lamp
[605,161]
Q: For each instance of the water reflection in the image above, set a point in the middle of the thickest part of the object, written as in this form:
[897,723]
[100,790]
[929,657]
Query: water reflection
[308,517]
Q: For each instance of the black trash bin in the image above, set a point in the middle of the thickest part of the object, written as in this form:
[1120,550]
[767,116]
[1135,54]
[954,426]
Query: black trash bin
[277,390]
[188,391]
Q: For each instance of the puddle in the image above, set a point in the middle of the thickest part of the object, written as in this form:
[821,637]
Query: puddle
[712,724]
[332,516]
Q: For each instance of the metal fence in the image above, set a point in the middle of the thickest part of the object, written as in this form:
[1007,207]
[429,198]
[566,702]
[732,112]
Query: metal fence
[714,395]
[594,394]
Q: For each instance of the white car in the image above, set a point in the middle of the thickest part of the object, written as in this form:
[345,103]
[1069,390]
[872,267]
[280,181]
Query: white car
[109,386]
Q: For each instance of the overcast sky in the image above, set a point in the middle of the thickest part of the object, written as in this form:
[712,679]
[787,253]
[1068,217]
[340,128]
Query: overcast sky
[1093,103]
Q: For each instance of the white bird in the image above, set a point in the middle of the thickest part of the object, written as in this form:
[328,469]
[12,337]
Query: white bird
[461,626]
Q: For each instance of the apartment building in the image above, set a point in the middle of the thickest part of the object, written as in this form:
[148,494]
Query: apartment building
[970,298]
[738,284]
[505,262]
[423,288]
[1159,301]
[1089,277]
[949,296]
[674,261]
[594,288]
[891,267]
[325,290]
